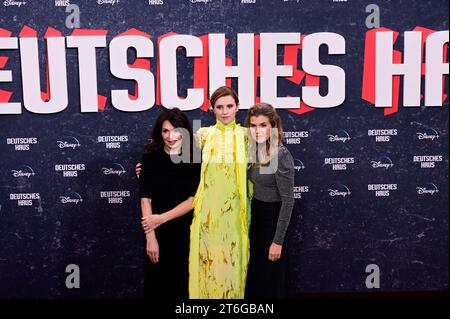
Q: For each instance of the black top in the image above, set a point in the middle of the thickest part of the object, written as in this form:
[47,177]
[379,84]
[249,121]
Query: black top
[167,184]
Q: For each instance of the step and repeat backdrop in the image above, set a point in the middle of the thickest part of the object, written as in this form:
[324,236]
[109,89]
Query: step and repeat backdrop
[361,87]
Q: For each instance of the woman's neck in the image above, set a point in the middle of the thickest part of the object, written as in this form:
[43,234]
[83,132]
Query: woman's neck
[228,125]
[172,151]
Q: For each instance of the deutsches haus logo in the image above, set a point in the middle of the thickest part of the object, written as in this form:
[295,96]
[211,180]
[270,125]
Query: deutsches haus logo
[299,190]
[382,190]
[427,161]
[21,143]
[115,197]
[382,135]
[112,141]
[25,199]
[70,170]
[339,163]
[62,3]
[295,137]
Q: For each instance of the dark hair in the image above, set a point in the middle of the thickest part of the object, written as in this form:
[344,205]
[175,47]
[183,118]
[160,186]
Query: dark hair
[178,120]
[221,92]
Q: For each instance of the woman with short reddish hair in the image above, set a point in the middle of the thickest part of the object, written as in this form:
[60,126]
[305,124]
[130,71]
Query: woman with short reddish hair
[219,246]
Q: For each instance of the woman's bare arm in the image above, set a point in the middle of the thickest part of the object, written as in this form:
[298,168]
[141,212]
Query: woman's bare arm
[152,221]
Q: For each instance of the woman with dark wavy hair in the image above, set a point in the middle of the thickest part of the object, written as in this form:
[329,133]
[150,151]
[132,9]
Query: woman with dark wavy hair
[167,190]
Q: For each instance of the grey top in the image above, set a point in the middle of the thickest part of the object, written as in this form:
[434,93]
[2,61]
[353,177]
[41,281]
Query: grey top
[275,183]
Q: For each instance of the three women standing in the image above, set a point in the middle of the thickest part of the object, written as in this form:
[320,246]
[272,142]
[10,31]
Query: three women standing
[219,246]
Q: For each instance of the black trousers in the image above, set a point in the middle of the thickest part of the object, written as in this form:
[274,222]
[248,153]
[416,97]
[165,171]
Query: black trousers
[265,279]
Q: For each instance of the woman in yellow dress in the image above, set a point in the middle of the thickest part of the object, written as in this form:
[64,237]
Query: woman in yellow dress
[219,243]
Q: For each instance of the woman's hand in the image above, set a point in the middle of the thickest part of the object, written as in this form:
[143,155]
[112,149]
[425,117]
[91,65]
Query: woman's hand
[275,252]
[150,223]
[152,247]
[138,169]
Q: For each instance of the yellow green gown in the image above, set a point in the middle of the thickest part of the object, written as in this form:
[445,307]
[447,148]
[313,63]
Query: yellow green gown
[219,245]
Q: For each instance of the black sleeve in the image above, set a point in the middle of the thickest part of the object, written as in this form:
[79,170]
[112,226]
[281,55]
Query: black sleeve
[195,169]
[145,177]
